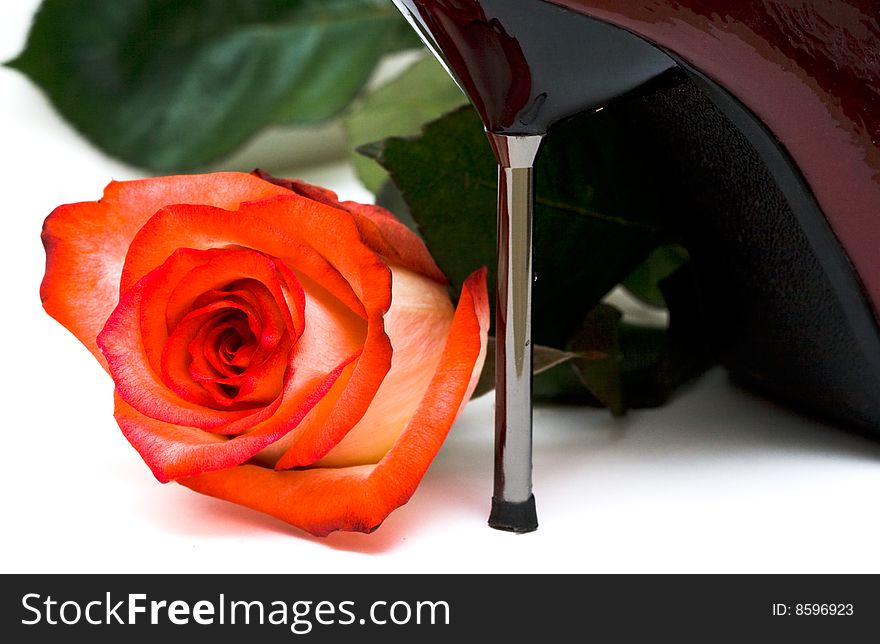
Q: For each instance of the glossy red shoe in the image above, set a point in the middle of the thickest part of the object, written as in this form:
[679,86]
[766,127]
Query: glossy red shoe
[766,116]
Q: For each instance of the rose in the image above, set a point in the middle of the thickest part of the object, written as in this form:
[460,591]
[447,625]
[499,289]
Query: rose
[270,345]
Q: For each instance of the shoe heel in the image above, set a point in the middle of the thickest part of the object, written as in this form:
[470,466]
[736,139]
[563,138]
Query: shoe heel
[521,65]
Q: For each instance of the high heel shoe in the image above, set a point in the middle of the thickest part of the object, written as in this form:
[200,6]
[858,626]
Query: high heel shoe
[768,118]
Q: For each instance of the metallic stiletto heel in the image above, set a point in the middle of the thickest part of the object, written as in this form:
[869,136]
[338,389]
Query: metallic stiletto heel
[513,504]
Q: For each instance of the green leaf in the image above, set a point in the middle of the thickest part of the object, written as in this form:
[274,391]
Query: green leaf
[172,86]
[389,197]
[593,373]
[599,335]
[447,178]
[591,230]
[544,359]
[644,281]
[423,92]
[657,362]
[621,366]
[603,215]
[403,37]
[589,372]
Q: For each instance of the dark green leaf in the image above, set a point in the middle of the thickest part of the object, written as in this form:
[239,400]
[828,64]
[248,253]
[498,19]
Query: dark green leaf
[620,365]
[592,228]
[171,85]
[602,377]
[399,108]
[403,37]
[643,352]
[631,366]
[544,359]
[656,362]
[389,197]
[602,209]
[562,385]
[644,281]
[447,178]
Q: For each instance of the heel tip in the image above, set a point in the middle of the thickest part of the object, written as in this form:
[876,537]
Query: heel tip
[514,517]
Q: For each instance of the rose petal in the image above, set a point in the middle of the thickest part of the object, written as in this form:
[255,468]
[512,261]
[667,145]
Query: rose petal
[278,227]
[359,498]
[386,235]
[165,293]
[143,387]
[154,328]
[224,269]
[310,190]
[258,384]
[318,434]
[174,451]
[213,355]
[380,229]
[417,324]
[86,243]
[258,279]
[331,328]
[353,275]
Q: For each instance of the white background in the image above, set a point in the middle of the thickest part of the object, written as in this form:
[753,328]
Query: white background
[719,481]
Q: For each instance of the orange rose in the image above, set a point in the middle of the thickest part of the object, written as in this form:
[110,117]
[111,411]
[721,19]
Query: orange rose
[270,345]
